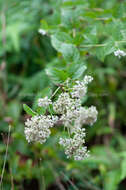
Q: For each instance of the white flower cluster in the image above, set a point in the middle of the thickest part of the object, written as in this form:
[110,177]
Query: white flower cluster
[44,102]
[74,120]
[74,116]
[86,116]
[71,114]
[38,128]
[119,53]
[65,103]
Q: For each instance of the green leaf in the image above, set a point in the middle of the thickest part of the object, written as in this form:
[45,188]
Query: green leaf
[123,169]
[55,42]
[69,51]
[29,110]
[102,52]
[76,70]
[63,37]
[41,110]
[112,180]
[50,109]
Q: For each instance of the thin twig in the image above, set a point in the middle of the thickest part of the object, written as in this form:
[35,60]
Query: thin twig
[58,182]
[89,185]
[100,45]
[5,159]
[92,45]
[71,183]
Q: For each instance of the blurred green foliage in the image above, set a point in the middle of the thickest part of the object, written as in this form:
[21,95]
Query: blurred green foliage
[80,34]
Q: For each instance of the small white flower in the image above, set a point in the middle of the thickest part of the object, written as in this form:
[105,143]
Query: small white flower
[44,102]
[41,31]
[119,53]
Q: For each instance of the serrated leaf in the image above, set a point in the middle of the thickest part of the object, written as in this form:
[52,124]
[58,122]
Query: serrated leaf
[57,75]
[63,37]
[102,52]
[69,51]
[29,110]
[76,70]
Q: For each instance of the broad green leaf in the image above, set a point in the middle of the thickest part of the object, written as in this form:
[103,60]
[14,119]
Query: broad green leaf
[69,51]
[55,42]
[63,37]
[57,75]
[108,48]
[76,70]
[112,180]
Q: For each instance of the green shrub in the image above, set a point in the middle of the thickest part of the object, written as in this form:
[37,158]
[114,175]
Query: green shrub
[80,34]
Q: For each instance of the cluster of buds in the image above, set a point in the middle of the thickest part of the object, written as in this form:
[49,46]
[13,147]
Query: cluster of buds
[68,110]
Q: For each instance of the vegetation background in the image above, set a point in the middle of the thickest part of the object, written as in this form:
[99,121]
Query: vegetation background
[80,34]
